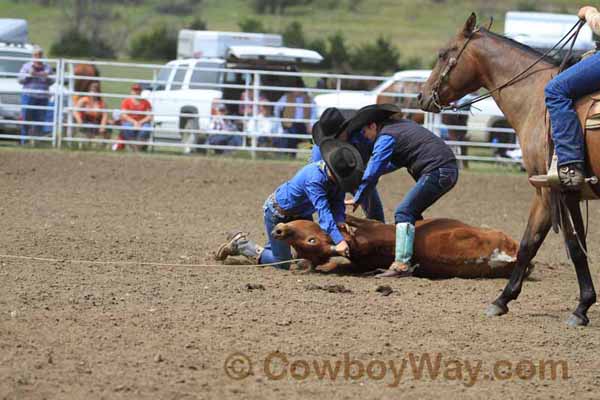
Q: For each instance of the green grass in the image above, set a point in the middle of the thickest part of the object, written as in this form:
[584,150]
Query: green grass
[417,27]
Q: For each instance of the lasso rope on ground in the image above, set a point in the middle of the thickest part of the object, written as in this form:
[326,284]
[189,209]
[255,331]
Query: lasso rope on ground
[117,262]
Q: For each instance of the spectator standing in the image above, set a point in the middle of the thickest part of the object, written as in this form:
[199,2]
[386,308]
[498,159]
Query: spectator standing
[297,106]
[91,110]
[36,80]
[136,117]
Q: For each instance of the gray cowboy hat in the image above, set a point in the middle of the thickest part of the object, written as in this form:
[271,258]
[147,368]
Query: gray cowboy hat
[344,162]
[330,125]
[372,113]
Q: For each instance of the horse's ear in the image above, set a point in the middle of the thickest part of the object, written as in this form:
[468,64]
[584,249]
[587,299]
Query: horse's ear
[470,25]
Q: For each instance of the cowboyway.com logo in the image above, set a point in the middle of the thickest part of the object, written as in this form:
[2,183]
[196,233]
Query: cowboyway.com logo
[278,366]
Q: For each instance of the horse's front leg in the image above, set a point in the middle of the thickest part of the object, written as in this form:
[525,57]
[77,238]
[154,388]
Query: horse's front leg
[538,226]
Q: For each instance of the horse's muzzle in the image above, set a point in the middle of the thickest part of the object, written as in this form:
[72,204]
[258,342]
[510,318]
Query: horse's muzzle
[427,103]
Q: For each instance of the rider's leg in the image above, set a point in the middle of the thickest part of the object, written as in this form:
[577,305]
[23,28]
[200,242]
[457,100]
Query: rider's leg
[561,93]
[429,188]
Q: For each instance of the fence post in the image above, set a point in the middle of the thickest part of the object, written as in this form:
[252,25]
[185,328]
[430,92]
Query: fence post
[70,101]
[255,99]
[58,99]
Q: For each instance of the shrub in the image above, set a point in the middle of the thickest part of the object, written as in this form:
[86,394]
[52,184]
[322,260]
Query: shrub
[376,58]
[157,44]
[338,51]
[293,35]
[252,25]
[197,24]
[72,43]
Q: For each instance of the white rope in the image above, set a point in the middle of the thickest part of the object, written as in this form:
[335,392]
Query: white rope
[117,262]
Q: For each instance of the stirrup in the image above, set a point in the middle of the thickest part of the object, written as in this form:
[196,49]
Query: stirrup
[552,179]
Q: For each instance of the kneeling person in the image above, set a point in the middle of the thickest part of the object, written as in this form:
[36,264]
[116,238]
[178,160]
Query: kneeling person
[318,187]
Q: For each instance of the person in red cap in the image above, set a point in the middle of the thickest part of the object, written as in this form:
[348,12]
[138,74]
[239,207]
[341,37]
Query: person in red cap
[136,122]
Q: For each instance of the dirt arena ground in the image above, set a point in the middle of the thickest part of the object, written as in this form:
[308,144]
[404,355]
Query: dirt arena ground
[81,330]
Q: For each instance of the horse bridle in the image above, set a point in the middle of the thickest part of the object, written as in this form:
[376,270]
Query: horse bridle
[570,37]
[445,75]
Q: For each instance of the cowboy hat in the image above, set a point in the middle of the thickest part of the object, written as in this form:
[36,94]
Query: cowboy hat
[372,113]
[330,125]
[344,162]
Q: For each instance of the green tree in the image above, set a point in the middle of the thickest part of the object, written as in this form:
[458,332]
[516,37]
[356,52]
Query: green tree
[339,54]
[293,35]
[197,24]
[320,46]
[252,25]
[159,43]
[376,58]
[72,43]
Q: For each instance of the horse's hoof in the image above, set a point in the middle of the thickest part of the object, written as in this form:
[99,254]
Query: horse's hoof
[495,310]
[575,320]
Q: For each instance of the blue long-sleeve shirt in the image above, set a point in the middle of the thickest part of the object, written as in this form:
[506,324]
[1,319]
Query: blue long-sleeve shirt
[379,164]
[311,190]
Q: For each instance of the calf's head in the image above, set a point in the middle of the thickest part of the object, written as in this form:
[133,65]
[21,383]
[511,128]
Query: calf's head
[307,238]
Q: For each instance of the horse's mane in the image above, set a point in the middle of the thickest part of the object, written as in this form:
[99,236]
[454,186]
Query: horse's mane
[521,46]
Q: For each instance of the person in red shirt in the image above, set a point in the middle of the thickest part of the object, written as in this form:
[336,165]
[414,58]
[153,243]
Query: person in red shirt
[137,122]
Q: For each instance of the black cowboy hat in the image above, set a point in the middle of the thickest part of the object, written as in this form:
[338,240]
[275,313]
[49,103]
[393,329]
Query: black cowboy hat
[330,125]
[345,163]
[372,113]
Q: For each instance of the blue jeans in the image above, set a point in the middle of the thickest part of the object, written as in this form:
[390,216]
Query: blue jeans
[283,142]
[561,92]
[132,133]
[428,189]
[224,140]
[275,250]
[32,115]
[373,207]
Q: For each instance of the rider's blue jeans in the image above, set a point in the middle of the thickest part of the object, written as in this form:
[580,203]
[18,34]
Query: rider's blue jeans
[428,189]
[561,93]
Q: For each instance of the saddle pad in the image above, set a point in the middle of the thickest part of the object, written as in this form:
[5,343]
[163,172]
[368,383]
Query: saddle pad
[593,119]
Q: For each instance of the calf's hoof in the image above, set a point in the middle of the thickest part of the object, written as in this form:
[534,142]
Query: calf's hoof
[577,320]
[494,310]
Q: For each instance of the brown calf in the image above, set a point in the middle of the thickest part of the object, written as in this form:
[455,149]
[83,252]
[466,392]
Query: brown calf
[444,248]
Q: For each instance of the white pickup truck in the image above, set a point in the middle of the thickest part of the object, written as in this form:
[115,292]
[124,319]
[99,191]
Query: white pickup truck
[185,89]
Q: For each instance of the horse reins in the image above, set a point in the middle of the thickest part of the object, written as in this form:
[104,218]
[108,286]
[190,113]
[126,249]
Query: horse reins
[569,37]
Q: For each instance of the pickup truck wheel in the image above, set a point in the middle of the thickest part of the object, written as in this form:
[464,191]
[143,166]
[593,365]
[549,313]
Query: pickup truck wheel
[189,138]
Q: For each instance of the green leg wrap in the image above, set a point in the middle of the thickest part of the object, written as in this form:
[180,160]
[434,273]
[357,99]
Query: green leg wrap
[405,237]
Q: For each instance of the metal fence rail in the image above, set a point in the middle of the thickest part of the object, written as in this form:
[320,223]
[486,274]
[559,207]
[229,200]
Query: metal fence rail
[238,110]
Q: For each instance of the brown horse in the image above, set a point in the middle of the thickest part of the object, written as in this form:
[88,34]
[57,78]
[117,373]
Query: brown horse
[89,70]
[477,58]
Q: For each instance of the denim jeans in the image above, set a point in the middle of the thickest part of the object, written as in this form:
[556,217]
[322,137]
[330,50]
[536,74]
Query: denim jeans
[373,207]
[275,250]
[131,133]
[561,93]
[428,189]
[284,142]
[32,115]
